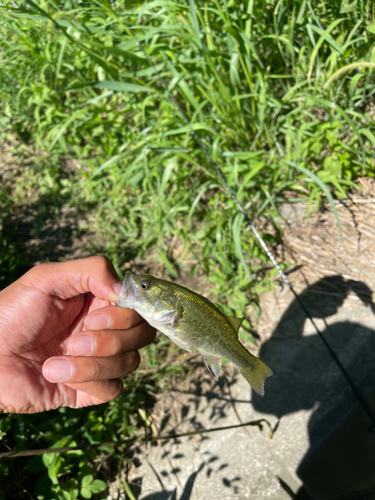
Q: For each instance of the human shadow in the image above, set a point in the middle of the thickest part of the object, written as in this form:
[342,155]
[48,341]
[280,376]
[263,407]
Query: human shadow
[340,461]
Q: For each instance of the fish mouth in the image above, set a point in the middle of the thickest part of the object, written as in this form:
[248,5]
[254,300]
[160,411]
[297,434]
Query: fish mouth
[127,293]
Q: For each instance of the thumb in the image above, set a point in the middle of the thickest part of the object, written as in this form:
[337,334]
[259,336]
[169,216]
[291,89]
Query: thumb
[68,279]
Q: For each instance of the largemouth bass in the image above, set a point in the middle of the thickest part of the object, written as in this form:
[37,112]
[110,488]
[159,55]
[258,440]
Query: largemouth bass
[192,322]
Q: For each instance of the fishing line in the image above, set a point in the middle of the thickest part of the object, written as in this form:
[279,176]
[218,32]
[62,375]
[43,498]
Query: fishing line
[268,252]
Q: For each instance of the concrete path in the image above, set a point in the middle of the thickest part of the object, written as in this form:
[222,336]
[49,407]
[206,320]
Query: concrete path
[321,447]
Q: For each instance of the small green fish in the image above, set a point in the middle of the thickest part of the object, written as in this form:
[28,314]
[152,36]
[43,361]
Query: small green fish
[192,322]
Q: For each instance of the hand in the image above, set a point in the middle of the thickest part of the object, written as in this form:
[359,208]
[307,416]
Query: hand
[62,341]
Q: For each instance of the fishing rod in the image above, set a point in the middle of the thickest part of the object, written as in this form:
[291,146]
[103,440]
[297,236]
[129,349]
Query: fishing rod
[133,440]
[358,394]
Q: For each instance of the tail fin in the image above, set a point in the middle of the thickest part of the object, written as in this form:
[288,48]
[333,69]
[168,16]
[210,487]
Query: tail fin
[256,375]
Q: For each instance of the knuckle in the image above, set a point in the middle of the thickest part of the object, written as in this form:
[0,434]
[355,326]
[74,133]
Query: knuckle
[102,262]
[118,387]
[133,360]
[119,344]
[96,369]
[112,345]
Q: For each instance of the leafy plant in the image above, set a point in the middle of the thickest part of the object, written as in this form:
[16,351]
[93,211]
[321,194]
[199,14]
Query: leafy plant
[91,486]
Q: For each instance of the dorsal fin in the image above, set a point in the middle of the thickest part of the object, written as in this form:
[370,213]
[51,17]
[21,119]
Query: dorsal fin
[235,322]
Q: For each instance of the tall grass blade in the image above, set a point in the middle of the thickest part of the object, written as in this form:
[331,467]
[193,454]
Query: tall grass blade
[122,86]
[319,43]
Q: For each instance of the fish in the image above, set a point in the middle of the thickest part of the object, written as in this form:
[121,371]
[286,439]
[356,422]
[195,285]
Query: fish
[192,322]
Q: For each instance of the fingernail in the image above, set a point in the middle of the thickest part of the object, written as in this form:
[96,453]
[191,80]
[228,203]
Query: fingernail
[59,370]
[117,288]
[81,345]
[97,322]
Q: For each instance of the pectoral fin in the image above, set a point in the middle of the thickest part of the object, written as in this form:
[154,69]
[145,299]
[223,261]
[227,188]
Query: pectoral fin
[180,343]
[178,312]
[213,363]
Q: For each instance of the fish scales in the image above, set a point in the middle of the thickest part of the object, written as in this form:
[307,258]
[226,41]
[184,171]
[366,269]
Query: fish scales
[208,325]
[192,322]
[205,325]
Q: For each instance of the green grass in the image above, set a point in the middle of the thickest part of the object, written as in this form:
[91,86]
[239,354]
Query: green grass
[252,77]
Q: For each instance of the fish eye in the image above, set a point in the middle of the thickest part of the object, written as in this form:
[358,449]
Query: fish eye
[145,284]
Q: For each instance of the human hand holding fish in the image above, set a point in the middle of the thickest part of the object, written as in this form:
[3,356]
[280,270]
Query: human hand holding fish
[192,322]
[62,340]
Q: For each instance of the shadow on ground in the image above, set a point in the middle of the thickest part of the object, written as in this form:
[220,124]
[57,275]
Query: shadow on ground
[184,462]
[172,495]
[341,458]
[44,231]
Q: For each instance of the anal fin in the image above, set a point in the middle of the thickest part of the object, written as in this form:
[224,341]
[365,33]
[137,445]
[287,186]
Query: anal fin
[213,363]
